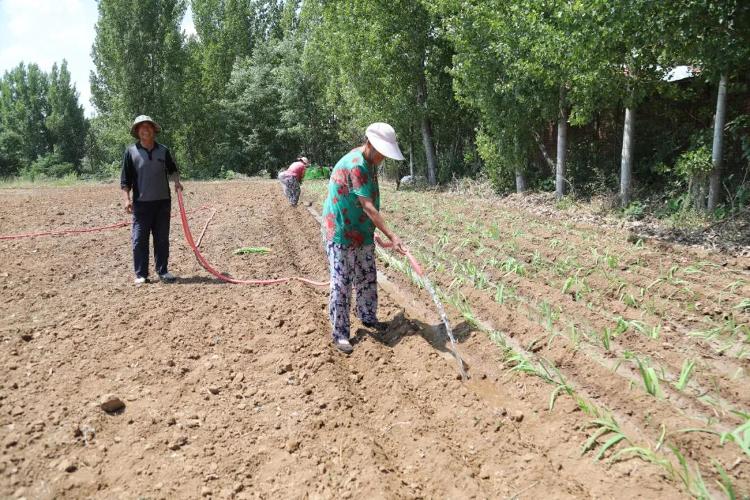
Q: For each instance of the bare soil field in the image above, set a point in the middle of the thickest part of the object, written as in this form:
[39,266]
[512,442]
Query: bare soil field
[599,367]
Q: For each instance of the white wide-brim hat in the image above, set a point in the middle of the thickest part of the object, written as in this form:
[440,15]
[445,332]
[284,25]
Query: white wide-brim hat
[383,139]
[143,119]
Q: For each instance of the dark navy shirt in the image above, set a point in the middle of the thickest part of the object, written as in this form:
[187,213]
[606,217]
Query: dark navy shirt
[147,172]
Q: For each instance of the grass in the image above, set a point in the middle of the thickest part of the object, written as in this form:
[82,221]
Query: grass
[47,182]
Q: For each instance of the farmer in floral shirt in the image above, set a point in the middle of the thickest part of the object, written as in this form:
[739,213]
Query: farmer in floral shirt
[350,216]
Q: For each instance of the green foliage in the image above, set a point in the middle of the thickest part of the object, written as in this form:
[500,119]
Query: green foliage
[499,165]
[66,122]
[634,210]
[50,165]
[139,60]
[694,163]
[316,172]
[41,123]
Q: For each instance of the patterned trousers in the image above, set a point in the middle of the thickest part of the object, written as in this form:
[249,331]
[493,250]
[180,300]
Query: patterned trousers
[351,265]
[291,188]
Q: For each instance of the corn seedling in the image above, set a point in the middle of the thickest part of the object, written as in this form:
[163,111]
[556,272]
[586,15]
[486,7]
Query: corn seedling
[606,338]
[574,336]
[251,250]
[644,454]
[548,314]
[502,293]
[605,426]
[493,232]
[568,284]
[688,366]
[536,259]
[692,270]
[740,435]
[629,300]
[654,332]
[555,377]
[648,375]
[612,261]
[692,480]
[725,483]
[744,305]
[443,240]
[512,266]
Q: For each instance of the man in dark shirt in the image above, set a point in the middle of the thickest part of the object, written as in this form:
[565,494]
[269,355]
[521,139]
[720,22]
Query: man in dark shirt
[146,169]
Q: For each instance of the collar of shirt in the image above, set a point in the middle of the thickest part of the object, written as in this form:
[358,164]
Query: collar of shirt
[141,146]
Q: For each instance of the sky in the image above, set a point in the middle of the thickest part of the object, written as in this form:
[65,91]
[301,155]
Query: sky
[48,31]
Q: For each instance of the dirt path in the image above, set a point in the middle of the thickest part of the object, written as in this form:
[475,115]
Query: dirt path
[234,392]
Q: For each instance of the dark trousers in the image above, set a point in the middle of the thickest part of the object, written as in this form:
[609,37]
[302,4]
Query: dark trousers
[151,217]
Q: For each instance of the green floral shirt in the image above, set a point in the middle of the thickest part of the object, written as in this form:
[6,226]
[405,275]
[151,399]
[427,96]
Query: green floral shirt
[344,220]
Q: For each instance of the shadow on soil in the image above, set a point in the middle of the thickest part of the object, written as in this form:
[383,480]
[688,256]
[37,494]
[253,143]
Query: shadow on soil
[401,327]
[199,280]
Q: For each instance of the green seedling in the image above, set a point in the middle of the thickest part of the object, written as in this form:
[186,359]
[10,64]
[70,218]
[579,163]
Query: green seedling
[725,482]
[692,480]
[568,284]
[251,250]
[740,435]
[512,266]
[606,338]
[500,294]
[648,375]
[606,425]
[629,300]
[688,366]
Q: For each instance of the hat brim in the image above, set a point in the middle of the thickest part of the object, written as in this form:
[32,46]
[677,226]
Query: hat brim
[387,149]
[134,128]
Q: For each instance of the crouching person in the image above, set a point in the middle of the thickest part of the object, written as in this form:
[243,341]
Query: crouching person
[291,179]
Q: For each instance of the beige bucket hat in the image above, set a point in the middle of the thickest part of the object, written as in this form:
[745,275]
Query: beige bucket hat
[143,119]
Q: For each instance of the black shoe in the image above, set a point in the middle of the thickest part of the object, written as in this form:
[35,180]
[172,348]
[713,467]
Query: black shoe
[380,326]
[168,277]
[343,345]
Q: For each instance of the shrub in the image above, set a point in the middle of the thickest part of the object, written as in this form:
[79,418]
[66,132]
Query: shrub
[317,172]
[49,166]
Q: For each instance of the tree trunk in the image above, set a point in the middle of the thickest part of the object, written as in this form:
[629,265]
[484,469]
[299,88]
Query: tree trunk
[562,144]
[520,181]
[717,151]
[543,150]
[411,160]
[697,189]
[626,163]
[426,126]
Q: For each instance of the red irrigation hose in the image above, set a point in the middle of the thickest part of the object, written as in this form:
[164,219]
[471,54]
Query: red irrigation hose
[208,267]
[67,232]
[414,264]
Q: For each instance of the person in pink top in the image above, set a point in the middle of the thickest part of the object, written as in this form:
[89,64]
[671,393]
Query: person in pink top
[291,178]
